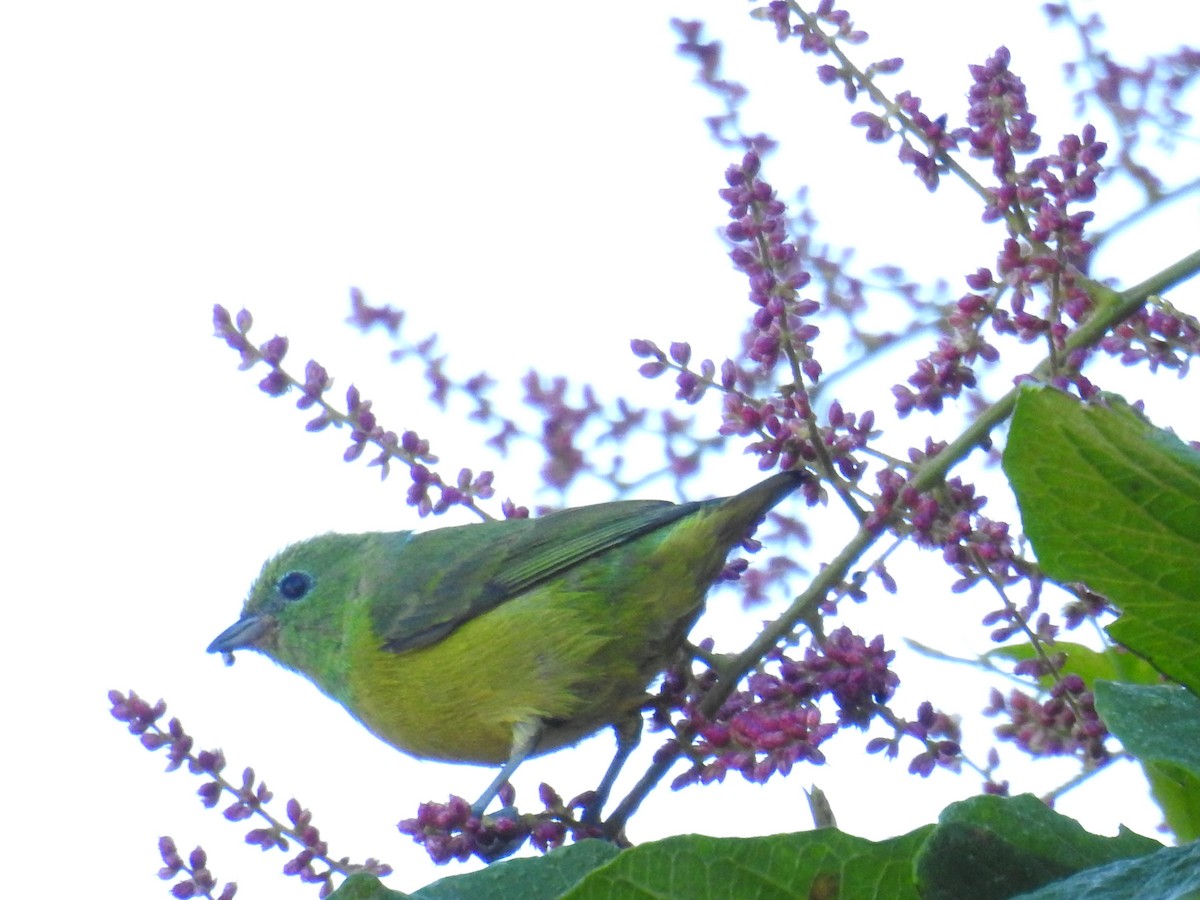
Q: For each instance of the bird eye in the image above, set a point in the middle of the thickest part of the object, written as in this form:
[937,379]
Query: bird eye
[294,585]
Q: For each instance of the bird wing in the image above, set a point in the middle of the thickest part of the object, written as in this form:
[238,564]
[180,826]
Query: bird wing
[451,575]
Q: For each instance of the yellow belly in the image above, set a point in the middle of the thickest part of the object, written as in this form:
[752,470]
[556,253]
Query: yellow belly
[574,655]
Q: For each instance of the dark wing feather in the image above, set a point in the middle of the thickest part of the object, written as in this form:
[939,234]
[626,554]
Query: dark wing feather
[449,576]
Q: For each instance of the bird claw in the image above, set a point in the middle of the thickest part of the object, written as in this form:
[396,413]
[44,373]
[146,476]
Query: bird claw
[500,834]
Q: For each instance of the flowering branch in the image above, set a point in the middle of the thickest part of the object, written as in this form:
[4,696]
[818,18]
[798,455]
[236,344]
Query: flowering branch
[249,799]
[409,448]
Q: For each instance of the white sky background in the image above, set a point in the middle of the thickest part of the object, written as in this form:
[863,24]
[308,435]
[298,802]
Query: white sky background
[532,181]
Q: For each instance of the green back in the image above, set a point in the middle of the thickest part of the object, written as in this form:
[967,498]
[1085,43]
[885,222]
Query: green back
[449,576]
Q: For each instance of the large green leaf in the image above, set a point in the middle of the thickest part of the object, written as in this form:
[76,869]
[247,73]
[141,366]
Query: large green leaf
[537,878]
[991,848]
[1109,500]
[1160,725]
[982,848]
[822,864]
[1172,873]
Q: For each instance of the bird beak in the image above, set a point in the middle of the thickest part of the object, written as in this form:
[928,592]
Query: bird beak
[244,633]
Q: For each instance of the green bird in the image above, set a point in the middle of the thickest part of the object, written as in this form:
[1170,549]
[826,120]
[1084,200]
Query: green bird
[493,642]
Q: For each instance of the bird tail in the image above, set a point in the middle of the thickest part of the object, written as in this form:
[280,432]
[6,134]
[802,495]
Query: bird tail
[742,512]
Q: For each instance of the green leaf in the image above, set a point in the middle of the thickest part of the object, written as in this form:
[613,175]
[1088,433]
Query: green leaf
[982,848]
[1109,500]
[365,887]
[1160,725]
[1091,665]
[994,847]
[1153,721]
[1172,873]
[816,864]
[537,878]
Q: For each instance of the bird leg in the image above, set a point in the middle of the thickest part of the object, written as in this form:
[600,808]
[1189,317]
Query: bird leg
[628,733]
[526,735]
